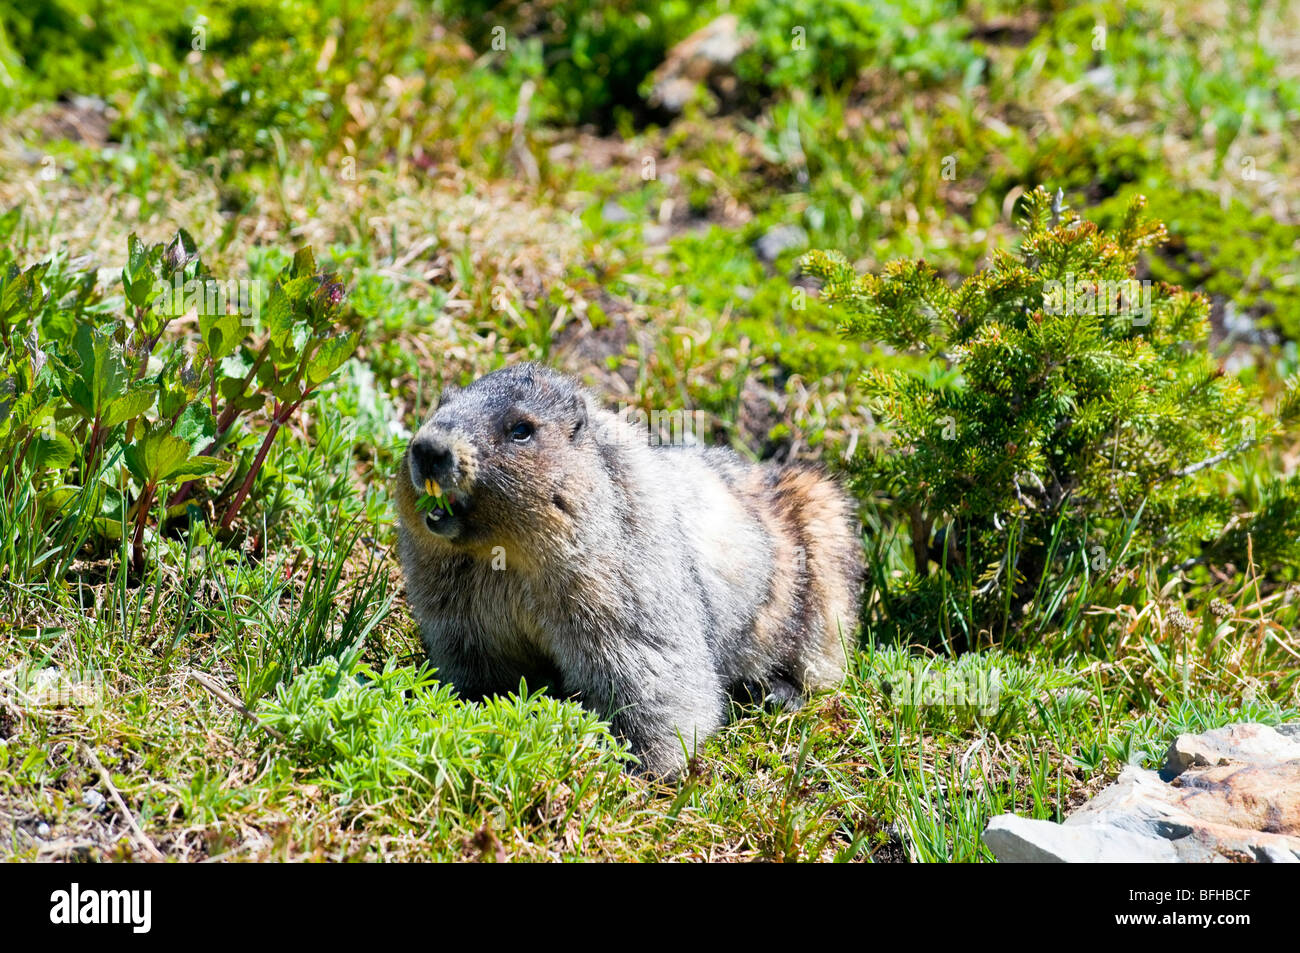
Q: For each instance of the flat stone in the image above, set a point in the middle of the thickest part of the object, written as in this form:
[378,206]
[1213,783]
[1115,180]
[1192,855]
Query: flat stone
[1015,839]
[1231,794]
[1241,743]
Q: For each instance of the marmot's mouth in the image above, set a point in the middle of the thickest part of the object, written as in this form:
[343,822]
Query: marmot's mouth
[446,520]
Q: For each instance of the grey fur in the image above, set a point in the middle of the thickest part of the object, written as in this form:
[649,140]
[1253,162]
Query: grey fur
[645,581]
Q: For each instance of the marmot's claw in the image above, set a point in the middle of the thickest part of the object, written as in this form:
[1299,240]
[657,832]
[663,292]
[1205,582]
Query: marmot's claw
[783,697]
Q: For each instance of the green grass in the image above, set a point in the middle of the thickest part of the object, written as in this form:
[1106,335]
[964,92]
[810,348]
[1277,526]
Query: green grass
[260,695]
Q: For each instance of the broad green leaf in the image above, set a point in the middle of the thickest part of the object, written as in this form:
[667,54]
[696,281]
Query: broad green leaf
[65,498]
[278,314]
[304,263]
[138,279]
[137,255]
[156,456]
[55,452]
[222,333]
[58,325]
[112,503]
[8,396]
[330,356]
[301,338]
[109,529]
[197,467]
[250,402]
[235,366]
[19,291]
[288,392]
[142,291]
[173,399]
[31,413]
[196,425]
[129,406]
[102,376]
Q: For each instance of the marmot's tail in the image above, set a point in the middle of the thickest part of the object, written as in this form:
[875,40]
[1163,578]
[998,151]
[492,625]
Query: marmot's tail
[826,575]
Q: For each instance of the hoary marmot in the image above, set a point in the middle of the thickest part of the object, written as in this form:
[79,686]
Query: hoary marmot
[646,582]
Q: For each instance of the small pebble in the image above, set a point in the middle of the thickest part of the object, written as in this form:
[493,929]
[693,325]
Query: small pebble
[778,240]
[42,829]
[616,214]
[93,800]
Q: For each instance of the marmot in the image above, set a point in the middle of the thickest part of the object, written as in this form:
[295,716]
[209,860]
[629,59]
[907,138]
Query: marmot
[646,582]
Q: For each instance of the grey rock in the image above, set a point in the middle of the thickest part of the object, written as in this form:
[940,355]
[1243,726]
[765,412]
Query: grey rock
[1231,794]
[1102,78]
[704,56]
[1242,327]
[93,799]
[1241,744]
[653,234]
[1268,854]
[91,104]
[1020,840]
[616,214]
[779,240]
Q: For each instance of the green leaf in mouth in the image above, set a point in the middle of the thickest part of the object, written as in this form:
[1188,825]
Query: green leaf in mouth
[427,502]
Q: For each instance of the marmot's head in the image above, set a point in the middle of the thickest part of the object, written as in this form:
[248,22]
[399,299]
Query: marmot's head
[507,452]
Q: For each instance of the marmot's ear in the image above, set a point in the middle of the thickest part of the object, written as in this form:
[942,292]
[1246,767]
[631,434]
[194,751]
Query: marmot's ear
[448,392]
[579,415]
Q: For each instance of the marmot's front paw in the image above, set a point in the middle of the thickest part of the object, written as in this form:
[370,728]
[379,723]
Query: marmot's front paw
[773,693]
[783,696]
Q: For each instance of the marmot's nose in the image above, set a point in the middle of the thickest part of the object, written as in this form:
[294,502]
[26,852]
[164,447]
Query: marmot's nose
[432,457]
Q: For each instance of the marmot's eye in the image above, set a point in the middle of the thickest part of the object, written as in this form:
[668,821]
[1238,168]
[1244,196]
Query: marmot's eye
[521,432]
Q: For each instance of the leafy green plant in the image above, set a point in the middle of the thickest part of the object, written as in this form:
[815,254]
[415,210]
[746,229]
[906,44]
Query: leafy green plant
[589,57]
[371,735]
[1067,415]
[103,402]
[799,44]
